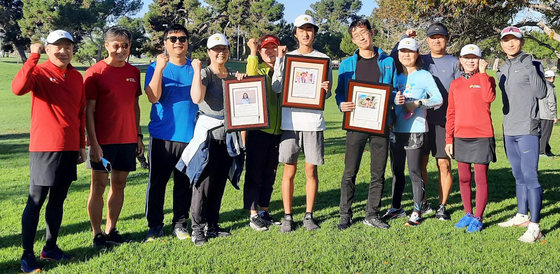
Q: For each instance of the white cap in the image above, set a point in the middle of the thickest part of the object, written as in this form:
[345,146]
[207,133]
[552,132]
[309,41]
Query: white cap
[408,43]
[471,49]
[549,73]
[217,39]
[304,19]
[57,35]
[511,31]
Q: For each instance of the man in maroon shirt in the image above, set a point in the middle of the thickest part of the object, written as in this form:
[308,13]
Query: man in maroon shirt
[56,140]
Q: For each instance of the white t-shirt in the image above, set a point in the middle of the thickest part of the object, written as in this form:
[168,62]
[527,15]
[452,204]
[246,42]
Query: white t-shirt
[299,119]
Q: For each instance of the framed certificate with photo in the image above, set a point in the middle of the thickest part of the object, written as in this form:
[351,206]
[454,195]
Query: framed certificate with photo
[246,104]
[372,107]
[302,81]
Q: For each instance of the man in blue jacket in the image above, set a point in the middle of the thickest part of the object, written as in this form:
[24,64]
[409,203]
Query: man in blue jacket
[370,64]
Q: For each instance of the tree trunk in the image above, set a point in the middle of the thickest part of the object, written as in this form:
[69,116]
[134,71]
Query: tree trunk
[21,52]
[99,51]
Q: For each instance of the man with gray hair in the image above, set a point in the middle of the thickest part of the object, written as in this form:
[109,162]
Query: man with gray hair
[56,144]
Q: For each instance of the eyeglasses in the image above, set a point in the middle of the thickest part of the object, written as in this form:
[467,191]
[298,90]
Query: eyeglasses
[174,39]
[360,34]
[123,46]
[107,165]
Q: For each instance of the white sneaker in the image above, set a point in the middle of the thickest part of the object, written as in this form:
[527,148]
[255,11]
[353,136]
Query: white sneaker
[532,234]
[517,220]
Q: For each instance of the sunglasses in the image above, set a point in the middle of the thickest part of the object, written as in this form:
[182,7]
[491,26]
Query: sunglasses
[107,165]
[124,46]
[174,39]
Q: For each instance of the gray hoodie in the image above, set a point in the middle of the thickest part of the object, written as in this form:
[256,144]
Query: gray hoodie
[547,106]
[522,83]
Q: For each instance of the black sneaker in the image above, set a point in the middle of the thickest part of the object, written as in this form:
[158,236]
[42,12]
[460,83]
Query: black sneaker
[309,222]
[287,224]
[29,263]
[154,232]
[441,213]
[257,223]
[216,231]
[55,254]
[115,238]
[100,241]
[425,209]
[376,222]
[269,219]
[345,222]
[198,237]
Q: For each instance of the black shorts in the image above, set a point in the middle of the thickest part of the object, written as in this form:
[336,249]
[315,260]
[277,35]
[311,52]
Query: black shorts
[436,141]
[121,156]
[52,168]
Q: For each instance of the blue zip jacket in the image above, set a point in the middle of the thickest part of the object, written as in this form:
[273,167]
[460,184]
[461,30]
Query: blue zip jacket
[347,71]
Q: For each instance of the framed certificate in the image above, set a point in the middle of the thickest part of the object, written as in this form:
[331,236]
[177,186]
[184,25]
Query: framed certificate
[302,81]
[246,104]
[372,107]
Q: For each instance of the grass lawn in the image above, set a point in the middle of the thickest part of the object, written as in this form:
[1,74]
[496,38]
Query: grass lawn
[433,247]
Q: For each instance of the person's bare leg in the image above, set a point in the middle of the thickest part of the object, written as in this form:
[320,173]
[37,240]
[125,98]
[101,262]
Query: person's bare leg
[445,179]
[115,198]
[288,186]
[95,199]
[311,186]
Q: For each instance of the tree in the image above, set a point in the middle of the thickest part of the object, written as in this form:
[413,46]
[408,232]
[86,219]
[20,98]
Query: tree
[85,19]
[10,13]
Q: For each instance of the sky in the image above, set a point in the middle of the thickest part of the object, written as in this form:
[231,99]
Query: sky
[292,8]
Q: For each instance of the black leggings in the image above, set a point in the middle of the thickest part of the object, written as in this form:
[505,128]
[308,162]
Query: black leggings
[53,213]
[414,158]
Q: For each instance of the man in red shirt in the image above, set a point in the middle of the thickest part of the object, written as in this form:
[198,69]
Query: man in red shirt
[113,126]
[56,143]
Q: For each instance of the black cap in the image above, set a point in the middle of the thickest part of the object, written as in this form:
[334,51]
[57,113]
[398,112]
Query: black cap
[437,29]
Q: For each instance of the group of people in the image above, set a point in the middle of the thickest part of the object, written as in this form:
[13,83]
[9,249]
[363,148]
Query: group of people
[439,104]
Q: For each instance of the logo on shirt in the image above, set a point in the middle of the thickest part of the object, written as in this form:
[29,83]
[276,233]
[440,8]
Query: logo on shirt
[130,79]
[516,71]
[474,86]
[52,79]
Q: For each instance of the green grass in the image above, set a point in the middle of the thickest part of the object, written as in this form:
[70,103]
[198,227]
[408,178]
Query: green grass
[433,247]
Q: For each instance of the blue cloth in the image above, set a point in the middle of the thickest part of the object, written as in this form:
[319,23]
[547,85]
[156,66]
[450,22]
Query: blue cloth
[347,70]
[419,85]
[173,117]
[196,155]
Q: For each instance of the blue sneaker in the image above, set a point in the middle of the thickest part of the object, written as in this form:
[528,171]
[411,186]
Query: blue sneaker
[29,263]
[475,225]
[465,221]
[55,254]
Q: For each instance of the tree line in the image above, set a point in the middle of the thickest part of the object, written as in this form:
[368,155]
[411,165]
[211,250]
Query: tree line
[469,21]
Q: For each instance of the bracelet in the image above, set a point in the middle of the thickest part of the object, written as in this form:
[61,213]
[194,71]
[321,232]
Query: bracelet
[140,135]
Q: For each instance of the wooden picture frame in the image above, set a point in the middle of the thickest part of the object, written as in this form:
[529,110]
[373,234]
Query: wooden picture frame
[372,107]
[303,76]
[246,104]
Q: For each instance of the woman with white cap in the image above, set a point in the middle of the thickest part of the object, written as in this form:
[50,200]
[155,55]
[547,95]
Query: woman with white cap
[416,92]
[207,92]
[470,135]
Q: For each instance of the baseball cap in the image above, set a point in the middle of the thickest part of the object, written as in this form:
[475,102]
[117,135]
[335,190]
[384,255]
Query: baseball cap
[549,73]
[217,39]
[408,43]
[471,49]
[511,31]
[270,40]
[56,35]
[305,19]
[437,29]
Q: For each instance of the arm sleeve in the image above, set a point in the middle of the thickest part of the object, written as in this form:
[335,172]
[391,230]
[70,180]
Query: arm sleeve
[435,100]
[551,100]
[488,86]
[450,124]
[24,81]
[90,85]
[278,75]
[253,65]
[535,72]
[341,86]
[82,116]
[149,74]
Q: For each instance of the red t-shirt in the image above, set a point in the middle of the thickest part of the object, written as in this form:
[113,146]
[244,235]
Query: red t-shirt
[115,90]
[57,105]
[468,113]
